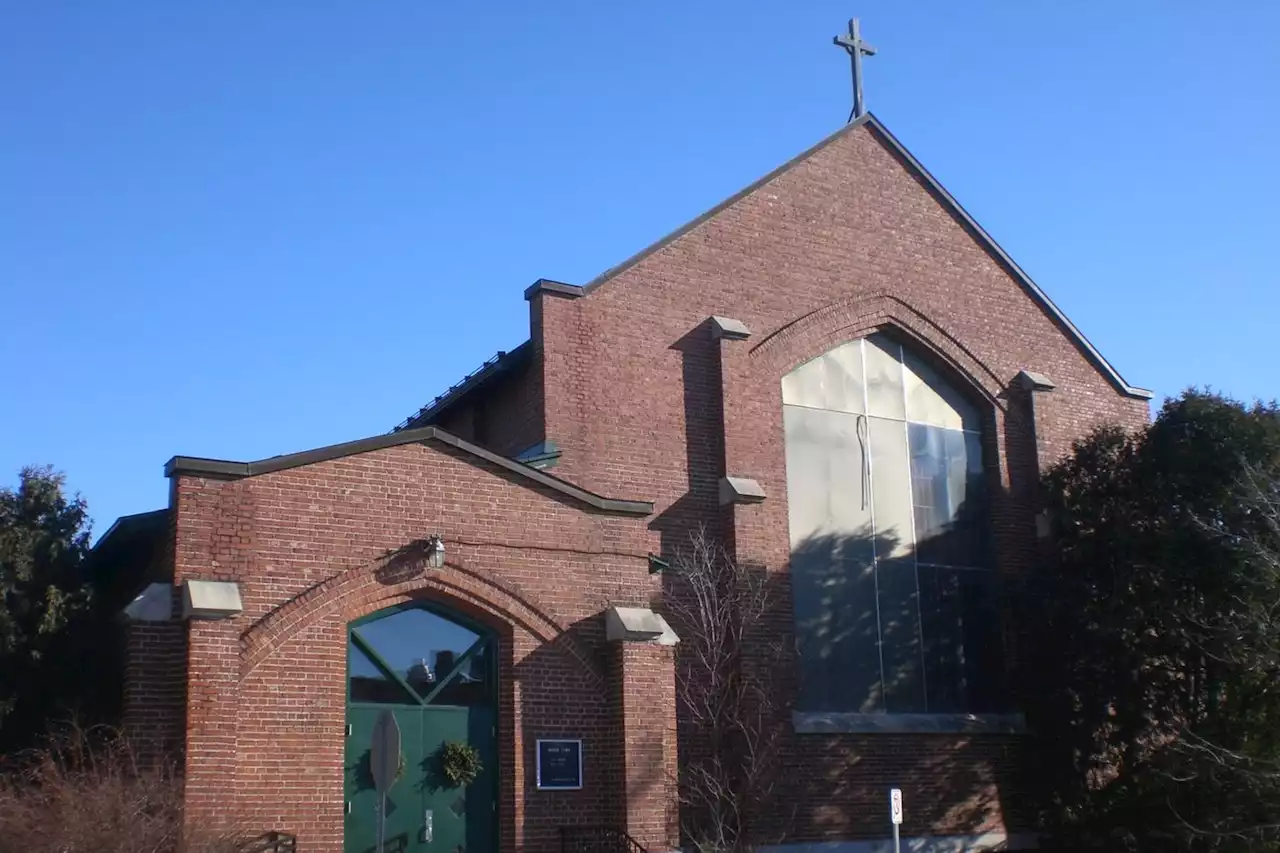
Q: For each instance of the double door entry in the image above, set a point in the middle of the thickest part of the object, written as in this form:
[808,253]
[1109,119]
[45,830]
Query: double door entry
[429,786]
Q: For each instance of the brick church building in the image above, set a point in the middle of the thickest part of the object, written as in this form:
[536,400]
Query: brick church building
[837,372]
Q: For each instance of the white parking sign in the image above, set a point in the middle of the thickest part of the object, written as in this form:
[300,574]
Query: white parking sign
[895,805]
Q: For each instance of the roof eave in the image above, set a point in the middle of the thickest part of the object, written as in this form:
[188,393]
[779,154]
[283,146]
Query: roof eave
[502,364]
[1010,265]
[122,525]
[228,470]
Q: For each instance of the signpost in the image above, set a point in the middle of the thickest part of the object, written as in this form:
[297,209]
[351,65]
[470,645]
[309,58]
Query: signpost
[384,765]
[895,815]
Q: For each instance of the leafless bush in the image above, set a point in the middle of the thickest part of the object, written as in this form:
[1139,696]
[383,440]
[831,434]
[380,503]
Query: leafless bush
[86,793]
[725,690]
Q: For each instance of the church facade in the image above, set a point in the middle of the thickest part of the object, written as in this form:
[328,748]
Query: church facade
[836,373]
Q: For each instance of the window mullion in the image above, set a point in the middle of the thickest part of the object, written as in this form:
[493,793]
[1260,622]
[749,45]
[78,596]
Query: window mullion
[871,505]
[387,670]
[457,668]
[915,544]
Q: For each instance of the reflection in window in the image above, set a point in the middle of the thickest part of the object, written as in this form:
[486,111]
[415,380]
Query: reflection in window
[370,684]
[895,601]
[414,655]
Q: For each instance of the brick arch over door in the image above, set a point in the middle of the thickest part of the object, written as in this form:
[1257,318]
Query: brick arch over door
[367,589]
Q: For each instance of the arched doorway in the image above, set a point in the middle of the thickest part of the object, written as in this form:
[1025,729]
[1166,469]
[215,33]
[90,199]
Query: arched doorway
[436,673]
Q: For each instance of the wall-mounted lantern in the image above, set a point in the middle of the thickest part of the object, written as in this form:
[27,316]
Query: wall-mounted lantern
[435,551]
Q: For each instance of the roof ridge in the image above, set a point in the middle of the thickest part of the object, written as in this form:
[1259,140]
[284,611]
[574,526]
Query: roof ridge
[672,236]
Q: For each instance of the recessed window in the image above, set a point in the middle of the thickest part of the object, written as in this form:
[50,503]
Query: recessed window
[896,602]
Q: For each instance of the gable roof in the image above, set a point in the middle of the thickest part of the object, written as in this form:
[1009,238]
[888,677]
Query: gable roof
[127,526]
[227,470]
[945,198]
[479,379]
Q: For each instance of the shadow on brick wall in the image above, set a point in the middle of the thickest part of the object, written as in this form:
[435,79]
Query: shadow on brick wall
[560,697]
[704,441]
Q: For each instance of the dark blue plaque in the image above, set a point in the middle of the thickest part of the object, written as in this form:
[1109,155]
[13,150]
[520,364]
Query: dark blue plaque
[559,765]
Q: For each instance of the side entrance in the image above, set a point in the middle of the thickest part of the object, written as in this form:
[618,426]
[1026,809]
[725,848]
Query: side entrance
[435,673]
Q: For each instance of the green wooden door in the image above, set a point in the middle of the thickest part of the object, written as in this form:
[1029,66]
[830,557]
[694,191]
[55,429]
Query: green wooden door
[403,801]
[437,674]
[464,818]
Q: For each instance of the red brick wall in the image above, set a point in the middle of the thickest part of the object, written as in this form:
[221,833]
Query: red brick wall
[155,680]
[506,417]
[315,547]
[155,691]
[644,703]
[798,257]
[845,242]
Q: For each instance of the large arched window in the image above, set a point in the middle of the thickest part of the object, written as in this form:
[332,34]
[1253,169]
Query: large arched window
[891,568]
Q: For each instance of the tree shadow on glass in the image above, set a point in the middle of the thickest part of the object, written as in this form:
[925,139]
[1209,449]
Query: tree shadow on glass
[877,632]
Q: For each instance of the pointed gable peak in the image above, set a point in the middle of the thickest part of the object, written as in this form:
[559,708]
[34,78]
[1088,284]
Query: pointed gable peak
[663,242]
[944,198]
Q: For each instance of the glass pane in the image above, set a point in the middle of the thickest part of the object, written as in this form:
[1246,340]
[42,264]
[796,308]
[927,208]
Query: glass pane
[900,637]
[949,496]
[419,645]
[891,482]
[834,594]
[884,378]
[844,379]
[371,684]
[833,588]
[827,493]
[930,400]
[803,386]
[473,683]
[963,660]
[831,381]
[970,503]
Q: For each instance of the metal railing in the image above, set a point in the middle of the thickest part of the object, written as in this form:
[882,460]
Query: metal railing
[597,839]
[270,842]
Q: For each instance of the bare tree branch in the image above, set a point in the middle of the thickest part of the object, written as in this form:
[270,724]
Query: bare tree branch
[725,690]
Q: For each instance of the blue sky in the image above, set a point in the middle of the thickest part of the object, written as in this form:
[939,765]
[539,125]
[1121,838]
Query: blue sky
[243,229]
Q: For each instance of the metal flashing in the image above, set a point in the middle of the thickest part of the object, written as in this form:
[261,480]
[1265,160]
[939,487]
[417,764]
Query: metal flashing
[559,288]
[228,470]
[500,364]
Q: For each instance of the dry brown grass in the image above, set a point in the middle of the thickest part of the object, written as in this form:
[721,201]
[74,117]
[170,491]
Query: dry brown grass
[87,793]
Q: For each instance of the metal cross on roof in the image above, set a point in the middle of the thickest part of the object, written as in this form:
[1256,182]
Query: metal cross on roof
[856,49]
